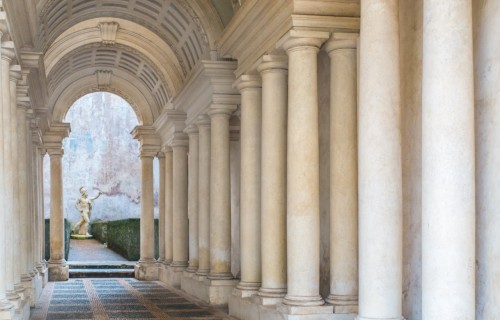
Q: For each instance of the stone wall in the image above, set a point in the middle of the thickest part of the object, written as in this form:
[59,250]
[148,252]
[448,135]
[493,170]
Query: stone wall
[101,155]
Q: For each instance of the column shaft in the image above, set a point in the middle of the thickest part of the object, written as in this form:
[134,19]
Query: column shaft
[168,206]
[180,205]
[379,164]
[204,196]
[250,226]
[147,210]
[448,162]
[274,72]
[303,234]
[193,198]
[220,194]
[23,192]
[343,174]
[161,209]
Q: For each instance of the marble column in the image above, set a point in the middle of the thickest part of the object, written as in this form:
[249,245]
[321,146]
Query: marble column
[250,138]
[6,308]
[161,209]
[303,236]
[204,134]
[220,193]
[58,269]
[192,131]
[274,73]
[168,205]
[343,173]
[7,54]
[448,162]
[146,268]
[180,203]
[379,163]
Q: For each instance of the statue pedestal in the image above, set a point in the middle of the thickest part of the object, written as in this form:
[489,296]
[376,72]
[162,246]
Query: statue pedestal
[81,236]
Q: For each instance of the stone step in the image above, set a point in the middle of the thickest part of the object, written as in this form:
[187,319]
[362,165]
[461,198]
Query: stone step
[101,273]
[101,265]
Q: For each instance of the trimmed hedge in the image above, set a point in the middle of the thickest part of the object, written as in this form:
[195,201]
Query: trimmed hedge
[67,233]
[122,236]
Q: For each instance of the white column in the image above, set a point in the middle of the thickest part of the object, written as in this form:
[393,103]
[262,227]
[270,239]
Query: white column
[448,162]
[146,267]
[7,55]
[58,269]
[5,306]
[192,131]
[250,139]
[379,164]
[343,173]
[180,203]
[161,209]
[274,73]
[203,123]
[220,194]
[303,236]
[168,205]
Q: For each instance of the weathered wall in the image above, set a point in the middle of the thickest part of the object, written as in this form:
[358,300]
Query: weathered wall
[487,99]
[411,129]
[100,154]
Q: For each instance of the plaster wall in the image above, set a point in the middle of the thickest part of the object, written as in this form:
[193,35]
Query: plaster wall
[100,154]
[487,99]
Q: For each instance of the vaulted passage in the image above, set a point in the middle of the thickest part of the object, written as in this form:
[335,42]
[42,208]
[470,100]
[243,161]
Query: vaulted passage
[317,159]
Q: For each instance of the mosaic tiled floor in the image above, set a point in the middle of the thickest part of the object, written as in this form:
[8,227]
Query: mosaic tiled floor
[118,299]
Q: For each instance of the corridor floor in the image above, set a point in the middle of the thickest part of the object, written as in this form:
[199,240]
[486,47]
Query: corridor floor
[91,250]
[102,299]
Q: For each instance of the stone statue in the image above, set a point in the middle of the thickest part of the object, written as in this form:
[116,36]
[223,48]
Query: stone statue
[84,205]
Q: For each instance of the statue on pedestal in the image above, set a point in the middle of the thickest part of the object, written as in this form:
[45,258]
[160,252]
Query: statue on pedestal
[84,205]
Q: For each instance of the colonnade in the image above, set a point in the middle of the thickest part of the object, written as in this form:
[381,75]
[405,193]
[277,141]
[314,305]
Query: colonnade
[23,270]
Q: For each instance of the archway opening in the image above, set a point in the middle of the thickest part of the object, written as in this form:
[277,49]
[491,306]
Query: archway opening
[101,156]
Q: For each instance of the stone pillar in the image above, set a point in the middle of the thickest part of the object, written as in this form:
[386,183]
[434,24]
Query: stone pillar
[250,226]
[204,195]
[274,72]
[161,209]
[192,131]
[58,269]
[168,205]
[42,268]
[343,173]
[146,268]
[6,308]
[180,208]
[303,236]
[448,162]
[7,54]
[220,189]
[379,164]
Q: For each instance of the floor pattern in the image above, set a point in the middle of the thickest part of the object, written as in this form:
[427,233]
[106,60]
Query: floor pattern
[103,299]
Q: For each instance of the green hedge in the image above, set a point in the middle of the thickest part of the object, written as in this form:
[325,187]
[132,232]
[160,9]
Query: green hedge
[122,236]
[67,232]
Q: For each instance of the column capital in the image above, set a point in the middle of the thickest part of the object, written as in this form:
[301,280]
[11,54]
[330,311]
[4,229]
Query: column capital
[191,130]
[224,110]
[149,140]
[166,149]
[273,63]
[160,155]
[203,121]
[248,81]
[342,41]
[7,51]
[15,73]
[179,139]
[53,138]
[301,39]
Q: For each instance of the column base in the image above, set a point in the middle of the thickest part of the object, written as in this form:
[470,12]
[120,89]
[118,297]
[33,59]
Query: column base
[364,318]
[343,304]
[172,274]
[58,270]
[242,304]
[214,292]
[33,288]
[146,270]
[324,312]
[7,311]
[162,272]
[42,270]
[21,306]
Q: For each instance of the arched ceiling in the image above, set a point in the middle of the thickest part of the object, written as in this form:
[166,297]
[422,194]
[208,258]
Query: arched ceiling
[151,45]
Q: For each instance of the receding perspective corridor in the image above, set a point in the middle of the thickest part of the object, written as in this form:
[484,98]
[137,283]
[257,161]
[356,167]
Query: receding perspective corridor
[102,299]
